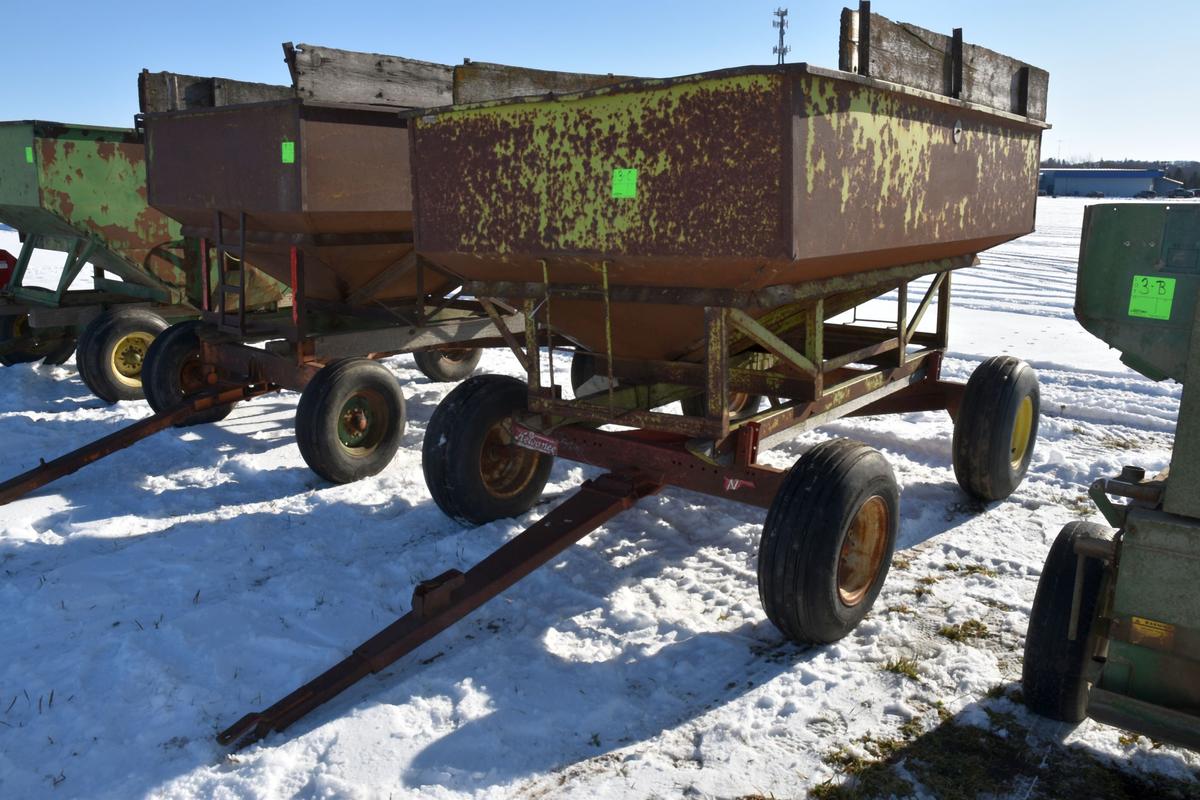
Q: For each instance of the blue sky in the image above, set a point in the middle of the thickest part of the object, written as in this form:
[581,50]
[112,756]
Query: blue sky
[1121,74]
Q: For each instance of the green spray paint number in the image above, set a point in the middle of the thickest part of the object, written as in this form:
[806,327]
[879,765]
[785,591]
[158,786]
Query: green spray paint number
[624,183]
[287,152]
[28,155]
[1151,297]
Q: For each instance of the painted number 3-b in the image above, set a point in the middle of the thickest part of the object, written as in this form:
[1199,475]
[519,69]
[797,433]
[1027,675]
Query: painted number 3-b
[1158,287]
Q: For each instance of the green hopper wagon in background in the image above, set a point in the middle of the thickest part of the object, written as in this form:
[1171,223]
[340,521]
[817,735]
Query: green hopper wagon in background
[81,190]
[1114,633]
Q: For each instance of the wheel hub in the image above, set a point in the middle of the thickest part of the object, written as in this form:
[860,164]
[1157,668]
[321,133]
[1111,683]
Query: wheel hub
[362,422]
[128,354]
[505,467]
[1022,425]
[863,550]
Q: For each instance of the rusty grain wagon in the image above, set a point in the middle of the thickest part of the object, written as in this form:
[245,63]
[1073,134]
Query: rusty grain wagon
[706,239]
[311,184]
[314,188]
[82,190]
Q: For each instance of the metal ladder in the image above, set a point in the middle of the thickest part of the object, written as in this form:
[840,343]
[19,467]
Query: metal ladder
[230,321]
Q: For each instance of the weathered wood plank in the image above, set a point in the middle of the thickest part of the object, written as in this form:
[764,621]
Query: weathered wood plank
[902,53]
[328,75]
[170,91]
[476,81]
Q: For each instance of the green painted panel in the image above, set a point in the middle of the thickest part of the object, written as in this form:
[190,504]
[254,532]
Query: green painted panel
[18,176]
[90,183]
[1151,241]
[1155,592]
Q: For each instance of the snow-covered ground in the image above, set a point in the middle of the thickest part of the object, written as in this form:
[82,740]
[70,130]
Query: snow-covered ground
[152,599]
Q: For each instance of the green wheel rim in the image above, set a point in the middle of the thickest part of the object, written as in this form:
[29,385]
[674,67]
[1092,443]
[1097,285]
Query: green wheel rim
[362,422]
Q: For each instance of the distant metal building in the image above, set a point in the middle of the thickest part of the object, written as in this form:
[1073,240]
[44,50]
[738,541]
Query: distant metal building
[1112,182]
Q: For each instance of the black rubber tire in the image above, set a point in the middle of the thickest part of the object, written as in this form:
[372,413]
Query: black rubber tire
[810,519]
[323,404]
[81,345]
[165,375]
[697,406]
[59,355]
[101,337]
[583,369]
[9,323]
[983,431]
[452,455]
[586,366]
[1053,677]
[447,366]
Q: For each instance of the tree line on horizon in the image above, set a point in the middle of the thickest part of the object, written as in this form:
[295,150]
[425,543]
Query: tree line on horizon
[1187,172]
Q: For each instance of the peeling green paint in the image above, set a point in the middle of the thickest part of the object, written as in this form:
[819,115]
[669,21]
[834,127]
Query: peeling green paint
[566,180]
[85,182]
[89,183]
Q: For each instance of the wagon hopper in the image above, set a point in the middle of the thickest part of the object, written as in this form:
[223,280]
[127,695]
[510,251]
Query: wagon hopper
[311,183]
[82,190]
[315,189]
[699,237]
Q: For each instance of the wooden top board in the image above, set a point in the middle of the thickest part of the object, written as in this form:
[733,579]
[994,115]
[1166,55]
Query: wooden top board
[898,52]
[170,91]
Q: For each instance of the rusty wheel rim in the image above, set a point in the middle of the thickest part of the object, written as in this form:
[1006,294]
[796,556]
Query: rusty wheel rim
[363,420]
[737,402]
[128,355]
[1022,425]
[505,468]
[191,374]
[863,549]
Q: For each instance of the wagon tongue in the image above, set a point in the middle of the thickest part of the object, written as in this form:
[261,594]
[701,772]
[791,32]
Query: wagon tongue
[439,603]
[49,471]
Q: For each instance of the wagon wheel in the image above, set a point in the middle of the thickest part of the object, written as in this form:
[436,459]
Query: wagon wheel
[828,541]
[1054,677]
[113,349]
[350,420]
[996,428]
[14,329]
[61,352]
[173,372]
[449,365]
[475,471]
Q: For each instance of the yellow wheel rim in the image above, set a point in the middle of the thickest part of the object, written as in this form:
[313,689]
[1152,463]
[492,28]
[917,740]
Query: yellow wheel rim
[863,551]
[1020,435]
[127,356]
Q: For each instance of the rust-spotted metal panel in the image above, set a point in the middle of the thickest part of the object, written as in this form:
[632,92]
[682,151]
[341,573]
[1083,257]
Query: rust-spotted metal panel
[514,181]
[745,178]
[207,159]
[885,177]
[299,171]
[71,181]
